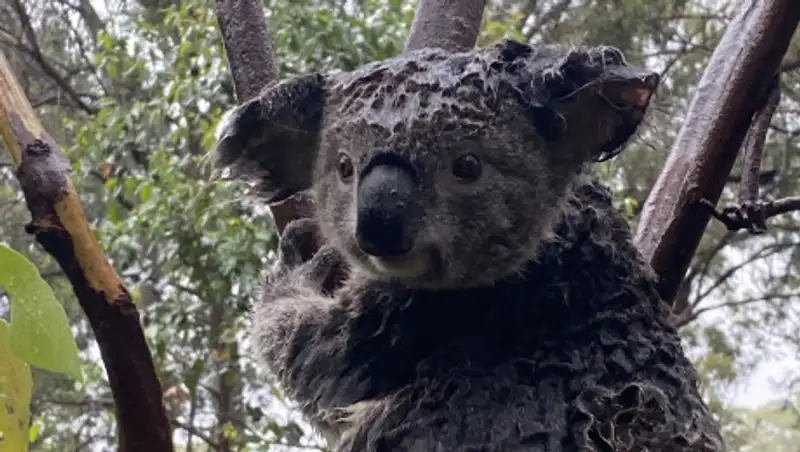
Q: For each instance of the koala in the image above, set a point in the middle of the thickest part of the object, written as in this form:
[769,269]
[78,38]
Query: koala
[476,290]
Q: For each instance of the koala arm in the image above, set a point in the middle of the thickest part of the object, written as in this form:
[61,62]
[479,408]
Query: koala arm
[297,328]
[289,324]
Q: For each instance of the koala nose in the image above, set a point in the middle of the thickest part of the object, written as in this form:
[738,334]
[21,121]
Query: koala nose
[384,226]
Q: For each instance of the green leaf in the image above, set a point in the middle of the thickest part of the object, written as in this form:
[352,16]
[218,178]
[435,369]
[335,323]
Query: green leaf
[16,387]
[40,332]
[34,431]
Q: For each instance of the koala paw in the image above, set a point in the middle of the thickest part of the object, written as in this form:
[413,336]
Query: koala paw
[323,270]
[299,242]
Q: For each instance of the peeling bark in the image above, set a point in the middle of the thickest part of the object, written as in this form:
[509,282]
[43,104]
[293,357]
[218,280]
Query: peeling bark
[60,227]
[733,87]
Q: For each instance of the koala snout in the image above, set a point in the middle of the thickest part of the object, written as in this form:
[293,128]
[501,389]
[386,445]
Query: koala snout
[385,224]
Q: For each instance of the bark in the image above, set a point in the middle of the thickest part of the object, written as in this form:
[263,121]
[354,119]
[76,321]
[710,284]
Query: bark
[735,84]
[253,65]
[248,46]
[60,227]
[452,25]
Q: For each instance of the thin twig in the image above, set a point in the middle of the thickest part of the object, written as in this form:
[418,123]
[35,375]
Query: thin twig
[754,144]
[36,53]
[752,217]
[690,317]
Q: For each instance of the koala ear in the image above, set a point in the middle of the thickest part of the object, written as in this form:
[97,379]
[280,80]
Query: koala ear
[273,138]
[587,99]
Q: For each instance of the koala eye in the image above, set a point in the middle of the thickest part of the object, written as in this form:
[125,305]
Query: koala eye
[467,168]
[345,167]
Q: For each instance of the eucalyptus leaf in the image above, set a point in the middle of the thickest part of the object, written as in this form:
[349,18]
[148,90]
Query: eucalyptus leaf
[40,332]
[16,387]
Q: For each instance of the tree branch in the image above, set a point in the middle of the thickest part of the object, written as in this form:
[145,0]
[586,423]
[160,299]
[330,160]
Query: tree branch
[752,216]
[452,25]
[194,431]
[752,213]
[60,226]
[754,144]
[694,315]
[732,87]
[765,177]
[247,45]
[36,53]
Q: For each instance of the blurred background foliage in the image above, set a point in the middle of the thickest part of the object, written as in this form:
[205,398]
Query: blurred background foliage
[133,90]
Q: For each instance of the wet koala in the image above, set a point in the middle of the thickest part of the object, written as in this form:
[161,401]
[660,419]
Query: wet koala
[493,300]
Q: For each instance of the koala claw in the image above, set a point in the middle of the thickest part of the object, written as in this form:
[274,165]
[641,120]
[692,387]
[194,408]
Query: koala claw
[322,269]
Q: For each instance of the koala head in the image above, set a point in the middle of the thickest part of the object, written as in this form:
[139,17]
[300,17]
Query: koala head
[436,169]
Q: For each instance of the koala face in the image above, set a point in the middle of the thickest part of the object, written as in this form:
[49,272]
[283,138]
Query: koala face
[440,170]
[437,177]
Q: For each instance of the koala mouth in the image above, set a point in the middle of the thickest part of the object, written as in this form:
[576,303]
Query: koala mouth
[420,263]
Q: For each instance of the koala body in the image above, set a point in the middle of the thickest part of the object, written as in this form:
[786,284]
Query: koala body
[493,298]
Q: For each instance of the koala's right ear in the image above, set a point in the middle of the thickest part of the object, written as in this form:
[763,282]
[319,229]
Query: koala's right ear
[587,99]
[273,138]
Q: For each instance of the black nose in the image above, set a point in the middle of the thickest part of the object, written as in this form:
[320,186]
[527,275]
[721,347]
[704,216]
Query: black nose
[384,224]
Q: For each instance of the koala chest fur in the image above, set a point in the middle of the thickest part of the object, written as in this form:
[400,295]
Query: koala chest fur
[563,356]
[493,300]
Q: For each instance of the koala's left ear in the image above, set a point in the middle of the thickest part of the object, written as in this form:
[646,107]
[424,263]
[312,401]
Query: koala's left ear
[596,100]
[273,138]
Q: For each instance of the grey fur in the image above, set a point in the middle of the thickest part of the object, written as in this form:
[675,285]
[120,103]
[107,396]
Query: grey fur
[524,318]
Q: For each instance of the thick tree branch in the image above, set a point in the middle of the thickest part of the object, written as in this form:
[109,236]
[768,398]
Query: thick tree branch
[452,25]
[731,89]
[59,225]
[253,66]
[247,45]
